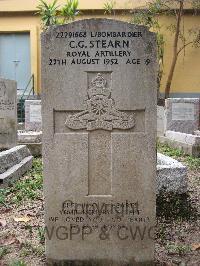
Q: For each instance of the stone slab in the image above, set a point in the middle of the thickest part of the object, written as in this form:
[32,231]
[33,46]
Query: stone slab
[171,175]
[99,142]
[160,120]
[13,156]
[33,117]
[183,137]
[29,136]
[8,113]
[14,163]
[182,114]
[32,139]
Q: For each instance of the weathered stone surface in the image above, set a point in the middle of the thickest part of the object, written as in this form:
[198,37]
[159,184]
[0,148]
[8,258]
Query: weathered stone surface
[183,137]
[32,135]
[29,136]
[182,114]
[33,117]
[171,175]
[99,142]
[32,139]
[160,120]
[8,113]
[14,163]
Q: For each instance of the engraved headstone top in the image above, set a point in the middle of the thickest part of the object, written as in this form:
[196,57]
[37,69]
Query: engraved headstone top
[99,136]
[8,113]
[100,111]
[182,114]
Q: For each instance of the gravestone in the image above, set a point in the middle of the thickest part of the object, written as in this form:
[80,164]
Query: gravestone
[33,117]
[8,113]
[160,120]
[182,114]
[99,143]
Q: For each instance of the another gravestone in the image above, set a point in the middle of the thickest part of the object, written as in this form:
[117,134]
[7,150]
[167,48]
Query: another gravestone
[33,117]
[182,114]
[32,135]
[8,113]
[99,143]
[160,120]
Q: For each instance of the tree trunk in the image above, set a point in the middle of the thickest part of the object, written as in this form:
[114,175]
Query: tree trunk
[175,51]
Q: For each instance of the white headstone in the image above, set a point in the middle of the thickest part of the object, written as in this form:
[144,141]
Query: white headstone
[8,113]
[33,117]
[99,142]
[182,114]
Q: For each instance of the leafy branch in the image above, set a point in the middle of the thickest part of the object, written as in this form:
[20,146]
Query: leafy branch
[109,7]
[52,15]
[70,10]
[48,13]
[149,17]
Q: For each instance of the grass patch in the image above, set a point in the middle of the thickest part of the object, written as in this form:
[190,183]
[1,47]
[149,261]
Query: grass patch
[41,235]
[28,249]
[4,251]
[193,163]
[18,263]
[179,249]
[166,150]
[26,188]
[3,194]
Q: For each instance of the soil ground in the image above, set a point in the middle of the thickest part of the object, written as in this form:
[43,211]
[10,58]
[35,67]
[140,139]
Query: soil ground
[22,220]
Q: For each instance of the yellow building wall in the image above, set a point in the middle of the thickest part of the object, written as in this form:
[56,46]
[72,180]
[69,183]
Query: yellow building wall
[187,73]
[30,5]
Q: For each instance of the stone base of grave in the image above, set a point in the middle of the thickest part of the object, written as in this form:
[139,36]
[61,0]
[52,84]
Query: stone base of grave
[32,139]
[171,175]
[14,163]
[96,263]
[188,143]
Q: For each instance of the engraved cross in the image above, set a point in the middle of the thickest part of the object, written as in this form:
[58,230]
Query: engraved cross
[100,117]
